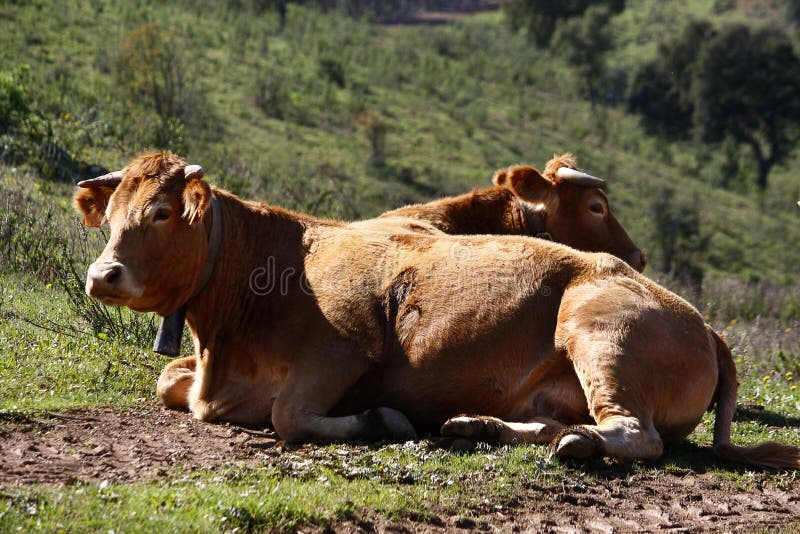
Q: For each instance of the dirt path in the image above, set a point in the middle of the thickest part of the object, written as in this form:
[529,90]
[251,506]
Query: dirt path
[435,18]
[103,444]
[149,443]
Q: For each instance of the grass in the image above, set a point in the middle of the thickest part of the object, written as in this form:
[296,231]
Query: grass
[49,365]
[290,490]
[457,102]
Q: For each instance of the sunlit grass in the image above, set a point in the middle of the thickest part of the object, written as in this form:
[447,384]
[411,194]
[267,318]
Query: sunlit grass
[49,360]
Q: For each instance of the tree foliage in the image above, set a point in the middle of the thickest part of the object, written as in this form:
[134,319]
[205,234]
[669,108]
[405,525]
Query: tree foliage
[748,89]
[577,30]
[677,233]
[734,84]
[583,42]
[661,90]
[540,18]
[793,11]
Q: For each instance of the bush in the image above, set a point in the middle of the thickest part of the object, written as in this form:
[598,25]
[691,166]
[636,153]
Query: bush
[13,99]
[154,69]
[272,94]
[375,131]
[31,241]
[677,233]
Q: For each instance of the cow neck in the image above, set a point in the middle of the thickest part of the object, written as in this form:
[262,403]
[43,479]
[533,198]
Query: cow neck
[170,331]
[214,242]
[532,226]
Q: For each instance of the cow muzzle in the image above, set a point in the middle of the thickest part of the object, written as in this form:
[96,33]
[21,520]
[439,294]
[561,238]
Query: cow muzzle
[638,260]
[111,283]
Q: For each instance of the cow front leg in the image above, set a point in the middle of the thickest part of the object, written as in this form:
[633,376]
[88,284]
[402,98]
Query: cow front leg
[539,430]
[175,381]
[314,386]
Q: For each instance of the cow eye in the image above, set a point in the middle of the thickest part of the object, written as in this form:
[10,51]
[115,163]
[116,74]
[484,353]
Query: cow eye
[162,214]
[597,207]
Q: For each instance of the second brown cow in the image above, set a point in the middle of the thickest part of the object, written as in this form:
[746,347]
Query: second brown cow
[561,203]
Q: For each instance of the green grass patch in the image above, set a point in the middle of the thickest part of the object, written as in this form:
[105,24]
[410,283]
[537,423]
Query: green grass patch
[49,360]
[312,486]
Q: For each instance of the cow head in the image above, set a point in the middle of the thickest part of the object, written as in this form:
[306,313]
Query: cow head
[155,254]
[574,209]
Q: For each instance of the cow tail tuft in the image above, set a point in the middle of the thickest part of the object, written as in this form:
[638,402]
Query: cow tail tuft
[767,454]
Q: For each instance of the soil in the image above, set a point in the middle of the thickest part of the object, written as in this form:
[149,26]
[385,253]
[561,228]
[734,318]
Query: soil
[149,443]
[435,18]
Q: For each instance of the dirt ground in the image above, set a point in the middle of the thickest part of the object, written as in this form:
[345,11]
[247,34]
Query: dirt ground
[148,443]
[433,18]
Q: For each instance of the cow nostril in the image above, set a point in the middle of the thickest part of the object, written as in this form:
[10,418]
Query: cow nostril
[111,276]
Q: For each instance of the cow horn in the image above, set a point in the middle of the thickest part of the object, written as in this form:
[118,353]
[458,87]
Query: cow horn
[111,179]
[579,178]
[193,171]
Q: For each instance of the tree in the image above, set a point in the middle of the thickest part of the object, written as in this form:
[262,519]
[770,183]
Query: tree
[661,90]
[584,41]
[747,88]
[678,235]
[540,18]
[793,11]
[578,30]
[733,85]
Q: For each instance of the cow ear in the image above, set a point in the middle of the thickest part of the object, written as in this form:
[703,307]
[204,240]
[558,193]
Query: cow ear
[527,183]
[500,178]
[196,198]
[92,202]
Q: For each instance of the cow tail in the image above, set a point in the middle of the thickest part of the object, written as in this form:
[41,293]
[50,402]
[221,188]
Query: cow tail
[767,454]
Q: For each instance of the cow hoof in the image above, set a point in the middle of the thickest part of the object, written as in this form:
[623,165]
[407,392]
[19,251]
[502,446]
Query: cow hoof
[456,444]
[477,428]
[389,424]
[575,446]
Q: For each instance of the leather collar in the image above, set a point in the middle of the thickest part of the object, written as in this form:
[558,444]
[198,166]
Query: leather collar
[532,226]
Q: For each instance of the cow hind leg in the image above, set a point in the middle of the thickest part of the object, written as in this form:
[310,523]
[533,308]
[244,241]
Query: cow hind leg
[621,437]
[308,424]
[617,388]
[540,430]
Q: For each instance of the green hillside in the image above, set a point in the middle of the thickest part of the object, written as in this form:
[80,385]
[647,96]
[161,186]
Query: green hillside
[347,118]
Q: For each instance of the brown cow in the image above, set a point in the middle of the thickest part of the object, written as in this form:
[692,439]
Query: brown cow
[336,333]
[561,203]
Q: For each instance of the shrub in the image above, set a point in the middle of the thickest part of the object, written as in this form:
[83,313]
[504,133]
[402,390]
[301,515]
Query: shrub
[272,94]
[677,233]
[154,68]
[13,98]
[375,131]
[31,241]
